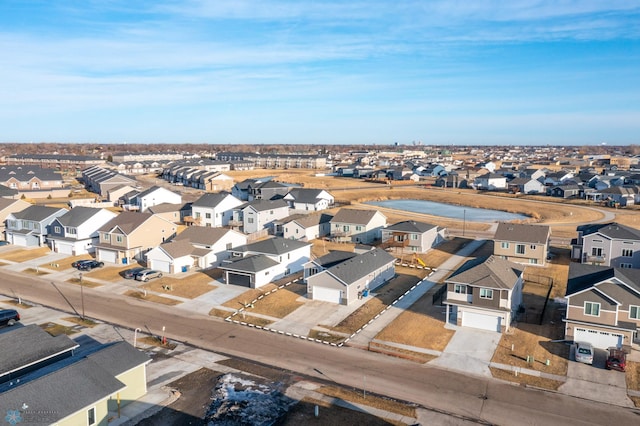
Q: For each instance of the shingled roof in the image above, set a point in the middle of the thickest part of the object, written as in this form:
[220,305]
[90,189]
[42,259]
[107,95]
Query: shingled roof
[355,268]
[522,232]
[354,216]
[410,226]
[494,272]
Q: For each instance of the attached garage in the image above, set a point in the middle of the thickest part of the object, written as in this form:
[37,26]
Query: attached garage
[108,256]
[160,265]
[63,248]
[481,321]
[327,294]
[599,339]
[239,279]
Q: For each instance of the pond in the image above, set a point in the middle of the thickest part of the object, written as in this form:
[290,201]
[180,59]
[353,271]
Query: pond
[434,208]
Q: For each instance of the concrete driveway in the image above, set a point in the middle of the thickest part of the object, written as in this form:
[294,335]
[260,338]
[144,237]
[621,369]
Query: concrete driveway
[586,381]
[469,350]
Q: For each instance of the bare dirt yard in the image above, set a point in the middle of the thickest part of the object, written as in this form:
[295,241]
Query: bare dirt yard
[25,255]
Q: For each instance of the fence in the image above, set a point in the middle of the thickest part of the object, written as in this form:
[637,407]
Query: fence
[438,296]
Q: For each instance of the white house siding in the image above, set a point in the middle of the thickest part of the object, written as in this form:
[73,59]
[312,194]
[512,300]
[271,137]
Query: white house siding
[220,215]
[255,221]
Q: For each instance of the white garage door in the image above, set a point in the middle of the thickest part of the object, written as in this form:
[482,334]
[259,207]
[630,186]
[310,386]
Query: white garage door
[108,256]
[161,265]
[599,339]
[64,248]
[482,321]
[326,294]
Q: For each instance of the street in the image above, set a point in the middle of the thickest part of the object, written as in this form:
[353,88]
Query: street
[471,397]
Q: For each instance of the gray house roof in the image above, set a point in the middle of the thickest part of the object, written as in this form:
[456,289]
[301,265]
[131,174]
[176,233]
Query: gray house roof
[411,226]
[178,248]
[355,268]
[494,272]
[264,205]
[272,246]
[28,345]
[37,213]
[333,258]
[202,235]
[119,357]
[77,216]
[307,220]
[355,216]
[305,195]
[612,230]
[251,264]
[26,173]
[522,233]
[126,221]
[211,199]
[583,276]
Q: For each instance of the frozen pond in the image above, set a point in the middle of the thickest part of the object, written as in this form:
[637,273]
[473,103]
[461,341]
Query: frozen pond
[448,210]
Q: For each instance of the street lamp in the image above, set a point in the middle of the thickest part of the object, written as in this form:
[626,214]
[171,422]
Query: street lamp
[135,336]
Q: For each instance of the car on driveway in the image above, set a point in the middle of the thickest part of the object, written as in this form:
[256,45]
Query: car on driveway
[77,263]
[148,274]
[89,265]
[584,352]
[616,359]
[130,274]
[9,316]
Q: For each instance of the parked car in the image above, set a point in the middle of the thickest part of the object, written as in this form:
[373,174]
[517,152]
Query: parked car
[77,263]
[4,243]
[9,316]
[148,274]
[616,360]
[584,352]
[130,274]
[89,265]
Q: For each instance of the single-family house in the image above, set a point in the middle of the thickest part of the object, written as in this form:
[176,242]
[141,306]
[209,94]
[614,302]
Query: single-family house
[490,182]
[344,282]
[257,264]
[172,212]
[565,191]
[76,231]
[412,236]
[154,196]
[256,215]
[197,246]
[603,305]
[214,209]
[30,227]
[525,185]
[358,226]
[8,206]
[308,199]
[126,237]
[305,227]
[607,244]
[522,243]
[484,294]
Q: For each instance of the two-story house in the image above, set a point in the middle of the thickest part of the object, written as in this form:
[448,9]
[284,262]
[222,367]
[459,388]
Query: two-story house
[484,294]
[607,244]
[522,243]
[341,278]
[8,206]
[257,264]
[214,209]
[308,199]
[259,214]
[154,196]
[196,246]
[411,236]
[76,231]
[126,237]
[358,226]
[603,305]
[305,227]
[30,227]
[490,182]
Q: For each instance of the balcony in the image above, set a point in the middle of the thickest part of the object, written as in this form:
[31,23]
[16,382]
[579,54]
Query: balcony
[590,258]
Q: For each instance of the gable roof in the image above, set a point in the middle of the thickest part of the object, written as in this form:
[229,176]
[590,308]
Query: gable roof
[254,263]
[203,235]
[119,357]
[307,220]
[304,195]
[522,232]
[77,216]
[264,205]
[272,246]
[333,258]
[493,272]
[165,208]
[37,213]
[26,173]
[411,226]
[210,199]
[360,217]
[358,267]
[177,249]
[612,230]
[583,276]
[126,221]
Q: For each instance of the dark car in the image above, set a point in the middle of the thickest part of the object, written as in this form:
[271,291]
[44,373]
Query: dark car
[77,263]
[9,316]
[616,360]
[89,265]
[131,273]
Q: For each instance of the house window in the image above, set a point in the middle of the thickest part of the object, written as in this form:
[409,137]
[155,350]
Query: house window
[57,229]
[358,228]
[119,238]
[596,251]
[519,248]
[533,261]
[627,252]
[626,265]
[532,246]
[207,215]
[91,416]
[414,236]
[229,246]
[592,308]
[70,230]
[107,237]
[345,228]
[197,215]
[486,293]
[460,289]
[634,312]
[249,220]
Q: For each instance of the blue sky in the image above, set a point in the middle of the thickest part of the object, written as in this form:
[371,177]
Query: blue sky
[329,72]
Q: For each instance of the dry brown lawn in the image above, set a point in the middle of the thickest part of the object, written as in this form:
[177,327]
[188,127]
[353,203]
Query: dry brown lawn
[279,303]
[151,297]
[25,255]
[422,325]
[327,337]
[632,375]
[401,352]
[107,273]
[85,283]
[322,247]
[83,322]
[16,303]
[190,287]
[66,262]
[250,319]
[57,329]
[437,256]
[361,397]
[555,271]
[525,379]
[35,271]
[383,297]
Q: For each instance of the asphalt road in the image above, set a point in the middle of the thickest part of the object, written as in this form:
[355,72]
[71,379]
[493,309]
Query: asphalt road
[485,400]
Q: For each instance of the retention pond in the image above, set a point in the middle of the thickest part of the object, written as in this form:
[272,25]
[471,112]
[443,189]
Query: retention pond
[449,210]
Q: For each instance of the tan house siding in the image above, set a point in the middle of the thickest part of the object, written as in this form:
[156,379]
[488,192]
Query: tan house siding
[80,417]
[488,303]
[576,313]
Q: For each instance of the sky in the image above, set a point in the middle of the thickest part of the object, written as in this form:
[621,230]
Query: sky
[522,72]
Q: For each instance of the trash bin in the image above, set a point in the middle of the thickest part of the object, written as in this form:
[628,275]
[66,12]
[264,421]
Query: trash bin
[184,268]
